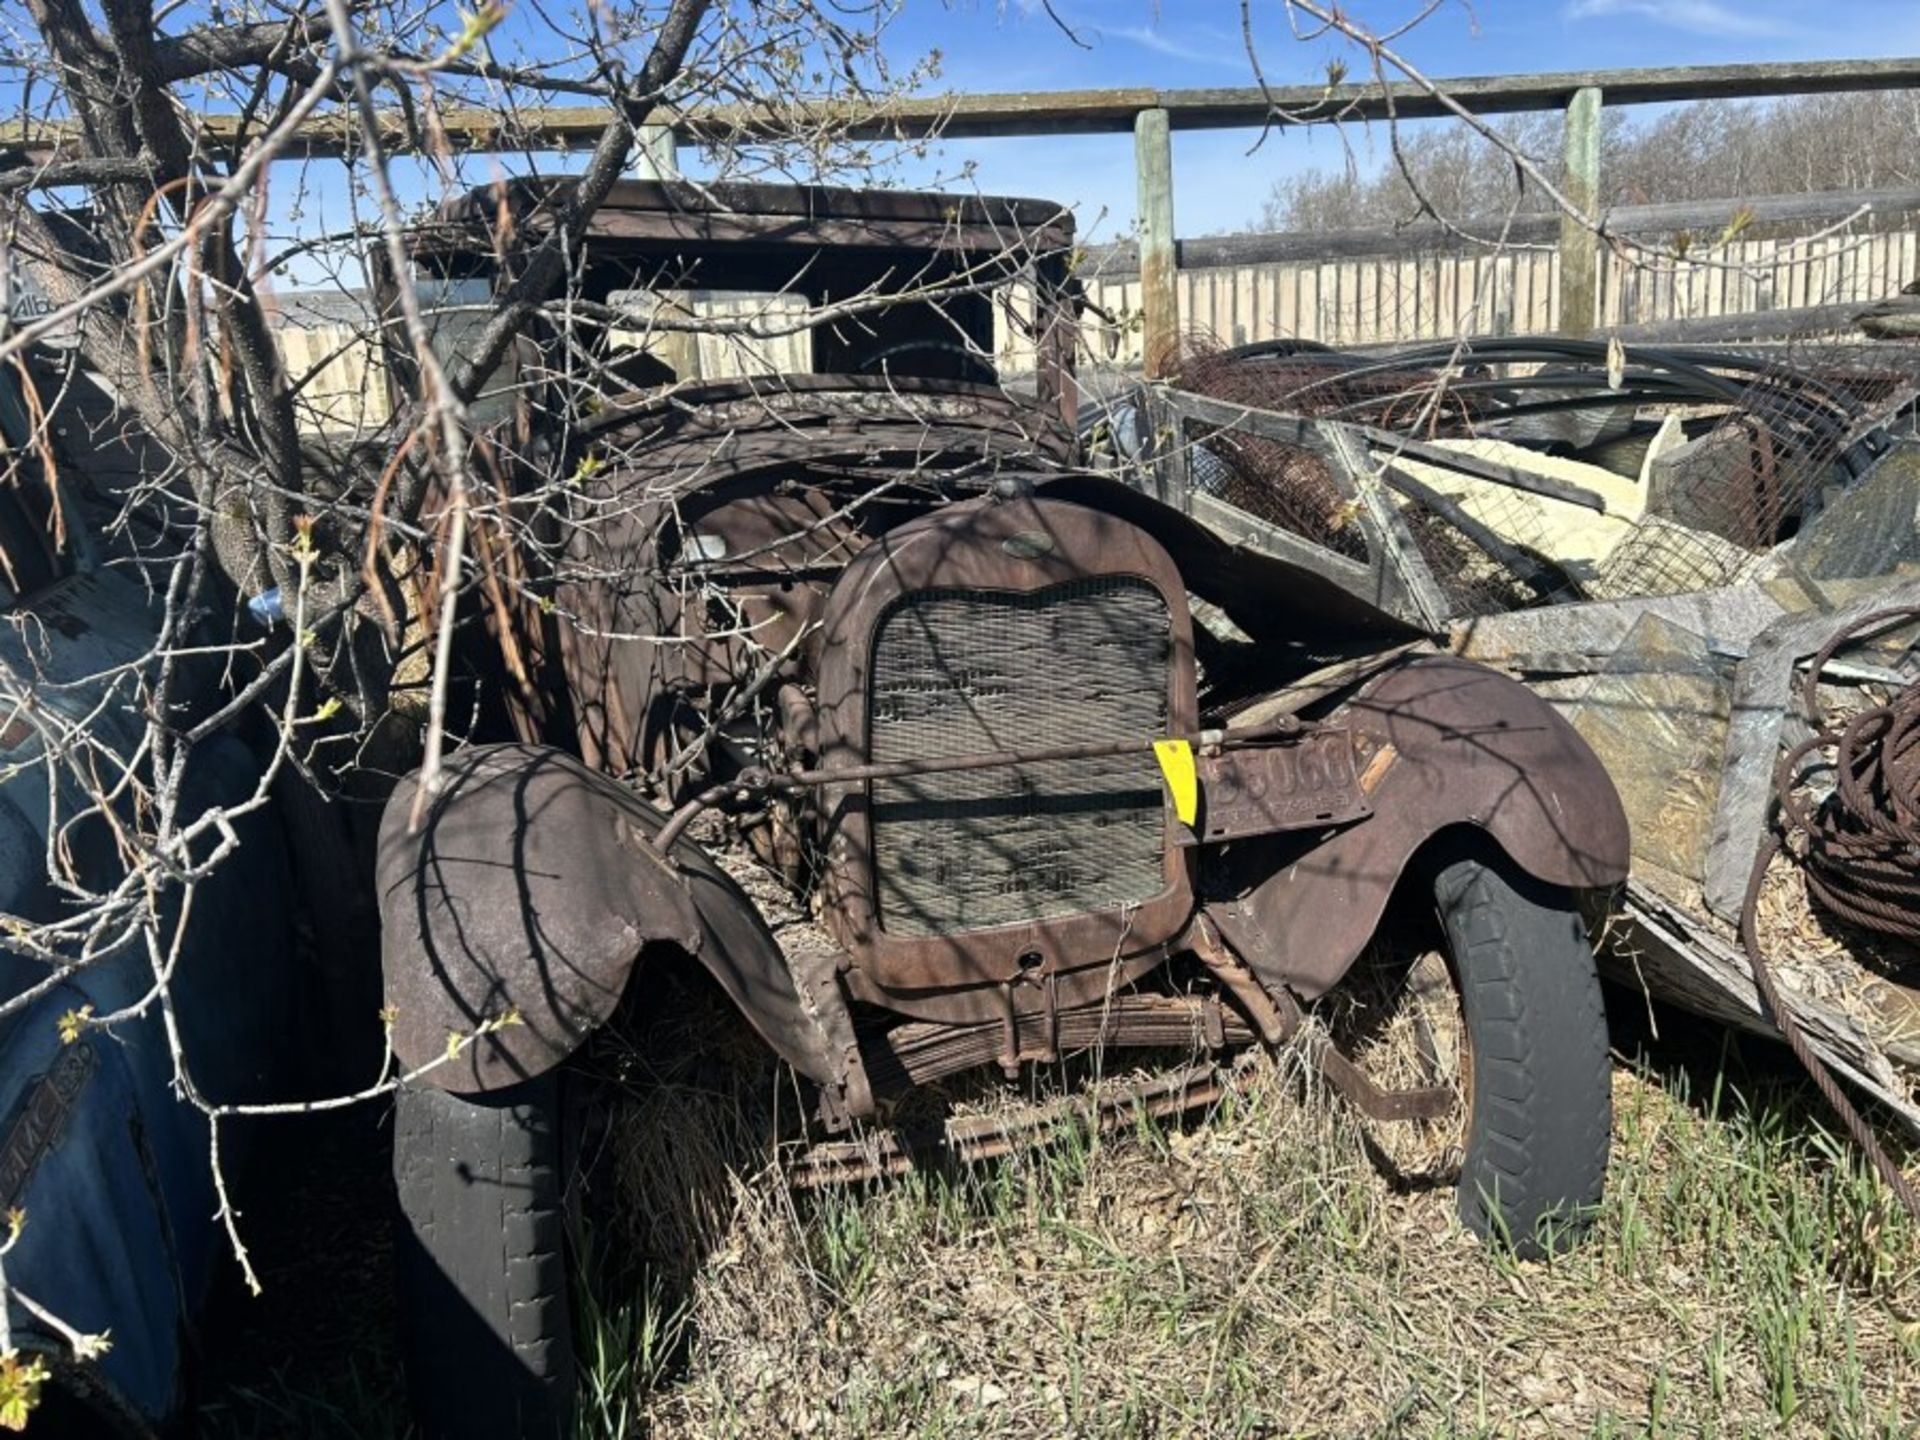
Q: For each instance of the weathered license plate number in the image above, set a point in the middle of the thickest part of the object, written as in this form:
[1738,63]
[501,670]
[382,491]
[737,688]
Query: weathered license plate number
[1289,785]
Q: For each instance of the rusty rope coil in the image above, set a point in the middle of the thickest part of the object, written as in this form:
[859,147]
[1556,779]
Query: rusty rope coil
[1862,853]
[1862,843]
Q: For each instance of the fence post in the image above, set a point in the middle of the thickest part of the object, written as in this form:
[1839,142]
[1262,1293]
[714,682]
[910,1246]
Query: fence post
[1580,183]
[1159,301]
[656,153]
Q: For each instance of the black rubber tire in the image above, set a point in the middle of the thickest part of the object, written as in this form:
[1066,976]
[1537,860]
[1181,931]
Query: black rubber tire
[486,1331]
[1542,1113]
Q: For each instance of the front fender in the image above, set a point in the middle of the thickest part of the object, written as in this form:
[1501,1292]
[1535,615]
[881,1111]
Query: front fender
[1442,743]
[532,885]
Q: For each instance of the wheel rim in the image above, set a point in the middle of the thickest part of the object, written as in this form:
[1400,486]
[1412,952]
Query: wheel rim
[1401,1021]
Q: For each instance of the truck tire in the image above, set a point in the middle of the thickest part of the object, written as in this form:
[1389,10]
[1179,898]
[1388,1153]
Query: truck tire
[486,1332]
[1541,1115]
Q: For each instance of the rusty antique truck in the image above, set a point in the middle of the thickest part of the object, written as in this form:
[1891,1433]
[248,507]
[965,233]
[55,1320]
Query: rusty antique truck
[1044,763]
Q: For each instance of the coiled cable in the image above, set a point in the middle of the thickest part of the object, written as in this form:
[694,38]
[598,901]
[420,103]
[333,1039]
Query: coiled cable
[1861,853]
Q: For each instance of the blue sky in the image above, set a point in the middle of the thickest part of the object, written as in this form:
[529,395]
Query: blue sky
[1221,177]
[1219,184]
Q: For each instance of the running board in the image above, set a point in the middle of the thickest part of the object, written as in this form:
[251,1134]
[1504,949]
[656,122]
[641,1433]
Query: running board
[970,1139]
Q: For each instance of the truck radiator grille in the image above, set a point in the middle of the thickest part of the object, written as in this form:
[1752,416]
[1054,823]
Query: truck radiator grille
[963,671]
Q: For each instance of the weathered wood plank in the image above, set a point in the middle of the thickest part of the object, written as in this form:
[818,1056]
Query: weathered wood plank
[1746,325]
[1655,947]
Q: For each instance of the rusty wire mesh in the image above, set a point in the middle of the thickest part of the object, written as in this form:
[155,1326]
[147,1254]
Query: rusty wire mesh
[1685,466]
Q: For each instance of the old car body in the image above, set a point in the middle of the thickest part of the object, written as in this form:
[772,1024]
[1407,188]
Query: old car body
[105,1162]
[1025,738]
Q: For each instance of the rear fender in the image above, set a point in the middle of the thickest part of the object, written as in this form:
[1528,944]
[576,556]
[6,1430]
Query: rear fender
[1441,743]
[532,887]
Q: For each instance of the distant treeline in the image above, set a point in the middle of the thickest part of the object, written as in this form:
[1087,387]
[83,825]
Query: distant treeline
[1707,151]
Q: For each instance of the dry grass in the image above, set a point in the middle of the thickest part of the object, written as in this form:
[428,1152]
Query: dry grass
[1872,978]
[1255,1275]
[1251,1275]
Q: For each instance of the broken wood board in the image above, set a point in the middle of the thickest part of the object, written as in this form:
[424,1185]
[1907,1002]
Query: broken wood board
[1656,946]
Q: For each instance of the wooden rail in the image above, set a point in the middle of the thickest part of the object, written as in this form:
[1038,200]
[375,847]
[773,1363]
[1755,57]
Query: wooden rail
[1116,112]
[1113,112]
[1095,112]
[1151,116]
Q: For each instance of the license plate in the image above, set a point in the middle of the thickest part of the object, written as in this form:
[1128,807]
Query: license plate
[1296,783]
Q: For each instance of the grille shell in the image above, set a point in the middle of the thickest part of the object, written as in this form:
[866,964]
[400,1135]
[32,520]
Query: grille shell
[1006,546]
[966,670]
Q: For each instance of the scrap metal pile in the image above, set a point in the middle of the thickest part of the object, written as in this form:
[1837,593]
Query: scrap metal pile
[1658,541]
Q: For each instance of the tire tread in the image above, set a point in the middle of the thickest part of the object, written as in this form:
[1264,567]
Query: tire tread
[482,1261]
[1542,1118]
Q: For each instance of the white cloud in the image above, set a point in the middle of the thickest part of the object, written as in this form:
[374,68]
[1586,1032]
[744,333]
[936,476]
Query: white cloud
[1148,38]
[1194,51]
[1702,17]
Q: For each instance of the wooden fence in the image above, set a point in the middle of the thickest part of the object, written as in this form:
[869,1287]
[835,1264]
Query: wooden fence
[1335,289]
[1359,300]
[1351,300]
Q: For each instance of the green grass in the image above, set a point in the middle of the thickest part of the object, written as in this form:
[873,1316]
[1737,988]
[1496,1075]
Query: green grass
[1254,1276]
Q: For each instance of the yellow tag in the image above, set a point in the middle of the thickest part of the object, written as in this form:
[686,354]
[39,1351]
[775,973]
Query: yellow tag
[1176,763]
